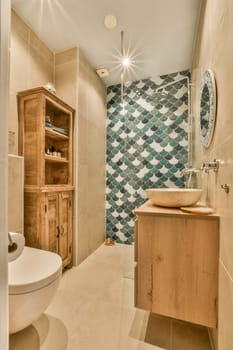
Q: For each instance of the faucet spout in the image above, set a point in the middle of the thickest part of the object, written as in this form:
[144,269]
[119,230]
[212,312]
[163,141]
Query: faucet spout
[189,170]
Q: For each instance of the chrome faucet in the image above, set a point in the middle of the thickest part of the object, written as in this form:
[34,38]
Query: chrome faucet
[189,170]
[211,165]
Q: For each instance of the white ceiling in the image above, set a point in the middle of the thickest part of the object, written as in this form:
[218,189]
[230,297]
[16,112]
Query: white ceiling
[159,33]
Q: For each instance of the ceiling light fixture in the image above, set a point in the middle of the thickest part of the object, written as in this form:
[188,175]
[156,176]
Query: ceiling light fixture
[110,21]
[125,61]
[125,64]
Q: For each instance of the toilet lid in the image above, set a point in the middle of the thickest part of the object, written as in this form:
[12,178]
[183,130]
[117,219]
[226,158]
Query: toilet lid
[34,269]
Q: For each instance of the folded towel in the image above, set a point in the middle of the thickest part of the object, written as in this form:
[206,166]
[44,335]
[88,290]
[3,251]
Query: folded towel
[60,130]
[48,124]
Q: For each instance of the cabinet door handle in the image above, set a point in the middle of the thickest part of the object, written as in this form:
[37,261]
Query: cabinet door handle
[62,230]
[58,231]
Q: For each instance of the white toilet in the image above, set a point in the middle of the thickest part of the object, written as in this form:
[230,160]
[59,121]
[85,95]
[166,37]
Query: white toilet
[33,281]
[34,276]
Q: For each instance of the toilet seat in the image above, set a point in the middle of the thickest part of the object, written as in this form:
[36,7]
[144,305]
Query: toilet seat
[33,270]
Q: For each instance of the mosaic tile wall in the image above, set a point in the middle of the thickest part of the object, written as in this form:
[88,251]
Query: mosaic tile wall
[147,145]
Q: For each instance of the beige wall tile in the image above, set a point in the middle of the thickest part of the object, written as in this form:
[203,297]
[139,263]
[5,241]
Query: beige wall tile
[214,49]
[12,142]
[19,63]
[66,56]
[66,81]
[41,70]
[224,202]
[83,214]
[225,310]
[41,49]
[78,84]
[83,92]
[31,65]
[83,139]
[91,150]
[19,27]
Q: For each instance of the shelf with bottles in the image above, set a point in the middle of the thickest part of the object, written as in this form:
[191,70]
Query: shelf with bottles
[56,149]
[50,158]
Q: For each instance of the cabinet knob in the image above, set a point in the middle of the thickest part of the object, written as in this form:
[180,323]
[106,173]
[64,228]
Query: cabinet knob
[62,230]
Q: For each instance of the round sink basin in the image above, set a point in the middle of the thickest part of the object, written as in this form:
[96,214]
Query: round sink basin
[174,197]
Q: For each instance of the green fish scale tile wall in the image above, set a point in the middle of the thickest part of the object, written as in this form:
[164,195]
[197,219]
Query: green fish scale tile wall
[147,146]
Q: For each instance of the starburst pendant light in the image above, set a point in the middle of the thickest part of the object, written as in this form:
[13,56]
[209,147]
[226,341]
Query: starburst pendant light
[125,62]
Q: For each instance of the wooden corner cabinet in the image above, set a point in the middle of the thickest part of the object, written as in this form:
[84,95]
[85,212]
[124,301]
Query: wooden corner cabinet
[45,142]
[177,264]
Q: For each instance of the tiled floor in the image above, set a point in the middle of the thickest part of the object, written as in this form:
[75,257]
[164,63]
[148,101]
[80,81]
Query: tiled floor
[93,310]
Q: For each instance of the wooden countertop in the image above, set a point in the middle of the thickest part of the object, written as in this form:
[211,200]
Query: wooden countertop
[148,209]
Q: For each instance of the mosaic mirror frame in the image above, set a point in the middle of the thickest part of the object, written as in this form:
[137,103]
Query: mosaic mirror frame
[207,114]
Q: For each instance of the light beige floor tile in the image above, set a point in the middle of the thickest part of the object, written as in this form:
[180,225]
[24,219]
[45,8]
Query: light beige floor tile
[94,310]
[47,333]
[26,339]
[159,331]
[189,337]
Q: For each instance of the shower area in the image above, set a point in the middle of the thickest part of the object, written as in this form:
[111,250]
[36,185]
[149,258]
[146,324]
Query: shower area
[147,145]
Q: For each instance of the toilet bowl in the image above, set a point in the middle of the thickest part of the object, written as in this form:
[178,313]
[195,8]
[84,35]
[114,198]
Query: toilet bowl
[33,281]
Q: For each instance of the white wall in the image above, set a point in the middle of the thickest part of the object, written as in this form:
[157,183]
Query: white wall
[4,94]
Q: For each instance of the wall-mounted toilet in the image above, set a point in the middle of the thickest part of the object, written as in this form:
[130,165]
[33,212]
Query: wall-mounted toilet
[34,276]
[33,281]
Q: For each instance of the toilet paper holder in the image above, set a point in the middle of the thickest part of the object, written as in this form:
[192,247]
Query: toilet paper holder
[12,246]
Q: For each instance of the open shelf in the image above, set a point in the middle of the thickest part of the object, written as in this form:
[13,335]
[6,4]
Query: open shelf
[55,135]
[55,159]
[56,173]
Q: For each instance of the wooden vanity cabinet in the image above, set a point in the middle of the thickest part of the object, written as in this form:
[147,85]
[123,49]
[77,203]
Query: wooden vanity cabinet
[177,265]
[46,143]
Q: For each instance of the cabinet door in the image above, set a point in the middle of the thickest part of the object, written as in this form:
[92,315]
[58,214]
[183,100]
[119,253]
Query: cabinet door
[65,224]
[171,262]
[203,267]
[144,268]
[185,264]
[177,270]
[52,222]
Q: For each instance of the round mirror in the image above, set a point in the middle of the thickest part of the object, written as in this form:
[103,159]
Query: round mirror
[207,107]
